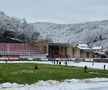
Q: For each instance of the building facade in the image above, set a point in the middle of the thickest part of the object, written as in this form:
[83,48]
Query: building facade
[63,50]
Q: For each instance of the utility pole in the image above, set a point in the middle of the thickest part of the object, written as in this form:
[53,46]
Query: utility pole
[68,50]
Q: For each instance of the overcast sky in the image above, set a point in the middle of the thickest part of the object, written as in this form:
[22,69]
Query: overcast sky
[57,11]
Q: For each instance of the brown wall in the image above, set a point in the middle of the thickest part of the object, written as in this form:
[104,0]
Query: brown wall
[42,46]
[75,52]
[83,54]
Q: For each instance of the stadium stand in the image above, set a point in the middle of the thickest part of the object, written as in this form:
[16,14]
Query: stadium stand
[18,49]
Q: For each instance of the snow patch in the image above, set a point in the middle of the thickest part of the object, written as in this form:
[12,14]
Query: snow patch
[72,84]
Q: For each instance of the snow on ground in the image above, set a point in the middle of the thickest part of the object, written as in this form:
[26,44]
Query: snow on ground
[69,63]
[89,64]
[73,84]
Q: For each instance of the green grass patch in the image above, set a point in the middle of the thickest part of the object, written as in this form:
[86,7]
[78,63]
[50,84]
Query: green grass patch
[26,73]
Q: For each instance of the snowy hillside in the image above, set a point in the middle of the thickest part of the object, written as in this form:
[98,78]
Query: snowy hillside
[92,33]
[20,27]
[9,23]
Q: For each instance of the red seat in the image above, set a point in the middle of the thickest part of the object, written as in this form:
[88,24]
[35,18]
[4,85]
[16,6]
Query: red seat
[18,49]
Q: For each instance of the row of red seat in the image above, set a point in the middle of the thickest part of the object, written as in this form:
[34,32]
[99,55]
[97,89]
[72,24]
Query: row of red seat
[18,48]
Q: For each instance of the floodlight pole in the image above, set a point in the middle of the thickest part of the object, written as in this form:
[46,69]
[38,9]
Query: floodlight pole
[68,50]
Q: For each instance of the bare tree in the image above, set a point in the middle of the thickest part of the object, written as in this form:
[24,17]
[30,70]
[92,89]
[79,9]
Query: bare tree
[35,36]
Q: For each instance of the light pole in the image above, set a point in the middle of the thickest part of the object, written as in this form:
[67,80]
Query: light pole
[68,50]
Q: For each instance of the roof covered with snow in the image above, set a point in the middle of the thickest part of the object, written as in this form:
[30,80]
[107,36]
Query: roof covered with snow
[83,46]
[97,47]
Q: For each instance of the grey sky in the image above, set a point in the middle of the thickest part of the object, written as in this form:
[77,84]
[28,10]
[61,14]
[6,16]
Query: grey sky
[57,11]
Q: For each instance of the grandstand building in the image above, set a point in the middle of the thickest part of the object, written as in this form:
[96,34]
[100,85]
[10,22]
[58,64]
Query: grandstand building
[13,49]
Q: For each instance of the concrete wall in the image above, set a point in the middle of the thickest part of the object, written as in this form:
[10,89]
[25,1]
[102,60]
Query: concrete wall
[43,47]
